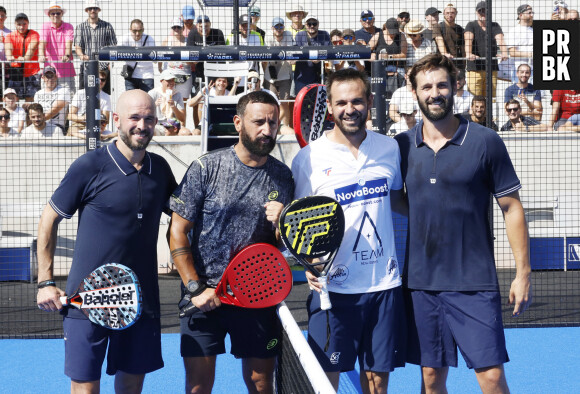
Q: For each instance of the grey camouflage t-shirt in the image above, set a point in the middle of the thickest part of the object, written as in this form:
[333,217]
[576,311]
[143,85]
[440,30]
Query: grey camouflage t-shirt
[225,200]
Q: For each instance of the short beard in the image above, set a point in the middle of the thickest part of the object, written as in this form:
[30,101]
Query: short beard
[432,116]
[126,138]
[255,147]
[352,130]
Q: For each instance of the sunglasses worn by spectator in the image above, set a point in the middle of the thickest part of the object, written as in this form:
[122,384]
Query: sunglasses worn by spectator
[367,19]
[56,13]
[92,9]
[312,24]
[513,109]
[279,27]
[137,31]
[337,42]
[254,14]
[5,117]
[348,37]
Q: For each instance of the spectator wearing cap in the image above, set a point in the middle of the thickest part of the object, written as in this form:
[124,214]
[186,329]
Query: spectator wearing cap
[462,98]
[476,50]
[38,127]
[247,37]
[17,113]
[168,101]
[523,91]
[391,45]
[296,14]
[55,48]
[77,115]
[278,74]
[368,29]
[348,36]
[54,98]
[520,40]
[403,18]
[561,11]
[432,23]
[188,18]
[92,35]
[5,129]
[141,74]
[255,14]
[449,37]
[171,127]
[307,72]
[3,33]
[517,121]
[400,97]
[417,45]
[22,46]
[407,118]
[180,70]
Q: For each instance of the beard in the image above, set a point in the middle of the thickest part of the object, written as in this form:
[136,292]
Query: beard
[351,129]
[134,146]
[437,114]
[261,146]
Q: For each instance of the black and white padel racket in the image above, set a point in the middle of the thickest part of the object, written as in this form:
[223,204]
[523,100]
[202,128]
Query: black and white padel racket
[312,229]
[311,116]
[110,296]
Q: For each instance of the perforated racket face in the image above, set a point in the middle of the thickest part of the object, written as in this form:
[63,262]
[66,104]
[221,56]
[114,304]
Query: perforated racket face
[110,296]
[258,277]
[312,226]
[311,116]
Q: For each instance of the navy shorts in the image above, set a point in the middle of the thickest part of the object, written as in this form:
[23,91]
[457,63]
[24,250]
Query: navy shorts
[440,322]
[254,333]
[368,326]
[135,350]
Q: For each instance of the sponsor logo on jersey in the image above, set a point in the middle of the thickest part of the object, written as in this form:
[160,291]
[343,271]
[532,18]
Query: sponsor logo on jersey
[327,171]
[365,191]
[272,344]
[338,274]
[273,195]
[334,357]
[368,234]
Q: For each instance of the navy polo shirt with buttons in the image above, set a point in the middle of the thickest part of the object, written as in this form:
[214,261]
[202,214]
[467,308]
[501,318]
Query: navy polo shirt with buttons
[450,245]
[119,212]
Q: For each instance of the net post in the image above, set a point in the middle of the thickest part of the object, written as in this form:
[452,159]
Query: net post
[93,114]
[379,88]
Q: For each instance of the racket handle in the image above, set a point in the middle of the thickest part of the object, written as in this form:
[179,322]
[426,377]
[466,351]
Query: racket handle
[324,298]
[63,300]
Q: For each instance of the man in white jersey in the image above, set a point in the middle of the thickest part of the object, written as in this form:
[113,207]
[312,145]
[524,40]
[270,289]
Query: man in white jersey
[360,169]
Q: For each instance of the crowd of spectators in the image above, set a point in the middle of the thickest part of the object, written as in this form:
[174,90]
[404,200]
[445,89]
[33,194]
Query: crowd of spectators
[40,69]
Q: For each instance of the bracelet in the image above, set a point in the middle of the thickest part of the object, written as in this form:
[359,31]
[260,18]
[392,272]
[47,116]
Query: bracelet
[46,283]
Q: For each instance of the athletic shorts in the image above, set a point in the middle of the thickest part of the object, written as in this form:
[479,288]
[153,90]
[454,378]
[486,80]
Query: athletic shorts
[254,333]
[440,322]
[135,350]
[367,326]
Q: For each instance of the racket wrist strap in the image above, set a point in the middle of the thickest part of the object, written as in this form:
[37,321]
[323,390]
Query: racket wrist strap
[46,283]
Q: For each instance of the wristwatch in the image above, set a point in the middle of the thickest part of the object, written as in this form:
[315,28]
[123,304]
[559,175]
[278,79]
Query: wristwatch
[195,287]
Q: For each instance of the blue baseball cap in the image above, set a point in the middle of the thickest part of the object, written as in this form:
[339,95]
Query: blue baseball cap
[367,13]
[204,18]
[188,12]
[277,21]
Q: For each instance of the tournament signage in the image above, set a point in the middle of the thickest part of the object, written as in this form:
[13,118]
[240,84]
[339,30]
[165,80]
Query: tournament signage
[231,53]
[556,55]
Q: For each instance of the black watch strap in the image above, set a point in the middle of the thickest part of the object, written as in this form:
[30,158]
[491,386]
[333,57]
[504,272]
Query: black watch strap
[200,289]
[46,283]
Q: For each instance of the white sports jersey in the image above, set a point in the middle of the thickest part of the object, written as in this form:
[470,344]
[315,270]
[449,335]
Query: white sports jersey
[366,261]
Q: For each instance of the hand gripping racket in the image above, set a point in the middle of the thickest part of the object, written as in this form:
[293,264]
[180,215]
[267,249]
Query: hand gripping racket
[312,228]
[257,277]
[311,116]
[110,296]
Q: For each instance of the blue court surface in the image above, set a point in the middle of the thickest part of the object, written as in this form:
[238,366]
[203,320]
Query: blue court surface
[543,360]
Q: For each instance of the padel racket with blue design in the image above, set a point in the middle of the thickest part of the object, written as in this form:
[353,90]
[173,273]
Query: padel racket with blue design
[311,116]
[110,296]
[312,229]
[257,277]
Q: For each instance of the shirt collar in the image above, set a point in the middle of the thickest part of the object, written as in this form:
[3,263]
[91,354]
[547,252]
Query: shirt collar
[457,139]
[123,164]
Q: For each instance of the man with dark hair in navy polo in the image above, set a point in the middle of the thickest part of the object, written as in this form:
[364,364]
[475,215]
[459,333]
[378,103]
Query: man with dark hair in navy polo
[450,167]
[120,191]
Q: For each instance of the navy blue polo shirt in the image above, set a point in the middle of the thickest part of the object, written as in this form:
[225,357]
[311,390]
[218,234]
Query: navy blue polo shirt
[450,245]
[119,212]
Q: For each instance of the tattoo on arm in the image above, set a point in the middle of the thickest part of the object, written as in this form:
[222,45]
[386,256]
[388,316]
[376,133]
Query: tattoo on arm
[180,252]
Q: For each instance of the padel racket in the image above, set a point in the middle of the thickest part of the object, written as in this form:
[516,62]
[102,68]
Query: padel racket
[312,228]
[257,277]
[110,296]
[311,116]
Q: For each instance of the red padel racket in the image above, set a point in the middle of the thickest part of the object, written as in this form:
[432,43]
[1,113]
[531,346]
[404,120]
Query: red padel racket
[110,296]
[312,228]
[257,277]
[311,116]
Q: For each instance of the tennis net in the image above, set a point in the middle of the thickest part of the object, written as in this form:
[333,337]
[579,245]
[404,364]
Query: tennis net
[297,370]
